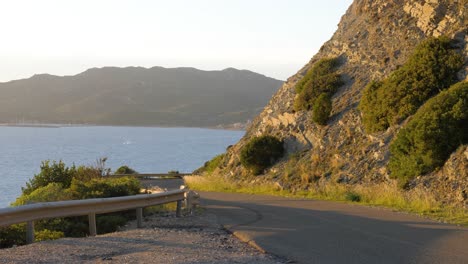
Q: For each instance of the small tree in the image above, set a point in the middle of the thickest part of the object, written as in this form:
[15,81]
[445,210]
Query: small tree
[56,172]
[322,109]
[125,170]
[260,153]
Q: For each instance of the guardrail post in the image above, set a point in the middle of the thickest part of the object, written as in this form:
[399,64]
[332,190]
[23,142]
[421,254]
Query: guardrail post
[139,214]
[92,224]
[178,209]
[30,232]
[90,207]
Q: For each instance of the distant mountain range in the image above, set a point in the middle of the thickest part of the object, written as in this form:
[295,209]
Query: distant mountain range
[138,96]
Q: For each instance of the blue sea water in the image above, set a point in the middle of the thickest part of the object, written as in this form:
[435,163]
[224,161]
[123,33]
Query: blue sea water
[145,149]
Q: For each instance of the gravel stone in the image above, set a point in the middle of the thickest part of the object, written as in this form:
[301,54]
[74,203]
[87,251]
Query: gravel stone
[163,239]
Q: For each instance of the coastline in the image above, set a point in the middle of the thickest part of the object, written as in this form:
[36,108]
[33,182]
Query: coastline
[231,127]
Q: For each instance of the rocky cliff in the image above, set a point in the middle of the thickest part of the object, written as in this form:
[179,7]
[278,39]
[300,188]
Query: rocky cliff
[373,39]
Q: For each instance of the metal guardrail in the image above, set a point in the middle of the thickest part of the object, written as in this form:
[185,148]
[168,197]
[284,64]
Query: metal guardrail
[91,207]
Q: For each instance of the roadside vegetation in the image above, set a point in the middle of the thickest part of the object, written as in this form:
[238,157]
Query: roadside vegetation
[423,89]
[58,182]
[211,165]
[437,129]
[260,153]
[316,88]
[125,170]
[385,194]
[431,68]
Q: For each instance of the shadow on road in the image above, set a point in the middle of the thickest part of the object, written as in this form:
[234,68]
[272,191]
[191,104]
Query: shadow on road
[328,232]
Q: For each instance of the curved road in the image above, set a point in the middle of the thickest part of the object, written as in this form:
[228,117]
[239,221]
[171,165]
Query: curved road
[308,231]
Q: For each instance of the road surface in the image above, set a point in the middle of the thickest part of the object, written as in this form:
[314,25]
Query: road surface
[308,231]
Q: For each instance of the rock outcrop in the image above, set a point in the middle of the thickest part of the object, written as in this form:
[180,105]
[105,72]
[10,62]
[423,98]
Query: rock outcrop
[373,39]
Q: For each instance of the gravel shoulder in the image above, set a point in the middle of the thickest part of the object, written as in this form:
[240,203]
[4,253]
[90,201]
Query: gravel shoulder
[163,239]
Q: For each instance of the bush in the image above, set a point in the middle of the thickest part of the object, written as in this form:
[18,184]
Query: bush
[12,235]
[373,116]
[50,193]
[57,182]
[46,234]
[321,78]
[86,173]
[211,165]
[103,188]
[322,109]
[431,68]
[352,197]
[125,170]
[110,223]
[51,173]
[260,153]
[434,132]
[58,172]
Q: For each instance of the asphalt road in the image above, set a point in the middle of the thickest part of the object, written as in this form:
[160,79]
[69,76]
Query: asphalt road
[307,231]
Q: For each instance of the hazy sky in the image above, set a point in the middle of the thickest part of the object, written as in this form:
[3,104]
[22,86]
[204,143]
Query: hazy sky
[65,37]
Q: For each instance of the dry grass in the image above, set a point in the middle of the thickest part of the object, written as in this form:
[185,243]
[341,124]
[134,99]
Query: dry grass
[217,184]
[386,194]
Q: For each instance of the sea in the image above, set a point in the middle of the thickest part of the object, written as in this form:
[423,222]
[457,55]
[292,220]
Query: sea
[144,149]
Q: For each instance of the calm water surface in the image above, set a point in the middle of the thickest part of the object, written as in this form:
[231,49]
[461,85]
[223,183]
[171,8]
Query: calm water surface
[145,149]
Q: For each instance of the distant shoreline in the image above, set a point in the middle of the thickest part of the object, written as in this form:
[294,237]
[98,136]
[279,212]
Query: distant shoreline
[48,125]
[30,125]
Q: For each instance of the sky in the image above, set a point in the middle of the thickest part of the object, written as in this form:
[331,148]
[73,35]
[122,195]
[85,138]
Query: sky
[65,37]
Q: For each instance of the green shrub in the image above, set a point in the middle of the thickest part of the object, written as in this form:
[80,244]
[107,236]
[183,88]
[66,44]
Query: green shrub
[125,170]
[434,132]
[47,234]
[105,187]
[322,109]
[110,223]
[321,78]
[57,182]
[211,165]
[12,235]
[86,173]
[260,153]
[51,173]
[70,226]
[58,172]
[373,115]
[353,197]
[49,193]
[431,68]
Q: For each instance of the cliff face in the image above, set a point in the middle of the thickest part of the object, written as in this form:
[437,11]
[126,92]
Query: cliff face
[373,39]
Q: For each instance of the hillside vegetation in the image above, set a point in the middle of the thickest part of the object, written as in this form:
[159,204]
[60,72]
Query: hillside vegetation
[437,129]
[316,88]
[431,68]
[398,102]
[260,153]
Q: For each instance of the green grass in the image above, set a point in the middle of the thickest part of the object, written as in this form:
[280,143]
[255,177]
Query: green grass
[386,195]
